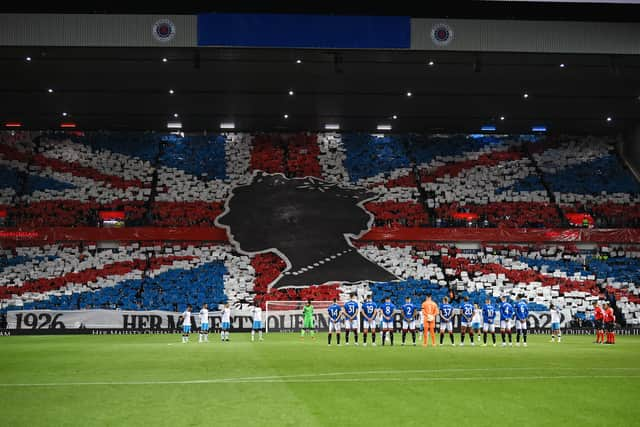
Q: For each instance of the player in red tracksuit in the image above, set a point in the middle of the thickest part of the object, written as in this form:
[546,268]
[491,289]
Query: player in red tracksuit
[598,316]
[609,321]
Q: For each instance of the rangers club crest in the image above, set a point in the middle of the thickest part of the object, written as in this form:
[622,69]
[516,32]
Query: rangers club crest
[441,34]
[164,30]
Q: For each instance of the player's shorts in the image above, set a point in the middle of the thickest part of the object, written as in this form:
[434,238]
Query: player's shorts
[204,327]
[257,324]
[429,326]
[411,325]
[609,326]
[225,326]
[521,325]
[465,322]
[489,327]
[368,325]
[186,329]
[475,325]
[506,324]
[351,324]
[448,326]
[599,324]
[334,326]
[387,326]
[555,326]
[307,323]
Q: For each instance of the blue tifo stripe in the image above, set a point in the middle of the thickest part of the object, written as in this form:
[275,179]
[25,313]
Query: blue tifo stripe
[296,30]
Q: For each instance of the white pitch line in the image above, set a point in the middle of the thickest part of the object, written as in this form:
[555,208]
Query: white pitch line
[305,378]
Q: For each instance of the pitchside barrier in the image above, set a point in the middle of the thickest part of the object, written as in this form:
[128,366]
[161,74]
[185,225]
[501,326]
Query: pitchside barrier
[287,318]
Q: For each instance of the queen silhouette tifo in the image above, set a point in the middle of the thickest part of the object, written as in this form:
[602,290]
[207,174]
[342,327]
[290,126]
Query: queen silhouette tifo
[308,222]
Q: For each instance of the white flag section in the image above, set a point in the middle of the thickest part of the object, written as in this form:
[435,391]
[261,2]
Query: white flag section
[281,320]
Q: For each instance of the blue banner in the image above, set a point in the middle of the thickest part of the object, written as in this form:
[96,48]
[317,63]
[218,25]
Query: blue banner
[304,31]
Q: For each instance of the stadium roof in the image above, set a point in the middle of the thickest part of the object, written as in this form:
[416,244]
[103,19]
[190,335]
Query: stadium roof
[128,88]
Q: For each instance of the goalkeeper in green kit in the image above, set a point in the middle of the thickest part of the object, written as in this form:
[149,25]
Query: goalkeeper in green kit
[307,323]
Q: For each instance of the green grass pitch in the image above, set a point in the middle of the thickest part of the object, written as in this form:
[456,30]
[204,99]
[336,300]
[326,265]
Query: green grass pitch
[156,380]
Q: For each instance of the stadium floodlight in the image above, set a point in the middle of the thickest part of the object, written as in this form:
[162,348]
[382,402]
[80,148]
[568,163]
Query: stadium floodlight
[28,59]
[176,115]
[488,128]
[525,96]
[164,59]
[409,94]
[227,125]
[332,126]
[50,90]
[431,63]
[394,117]
[383,127]
[174,125]
[502,118]
[171,92]
[298,61]
[291,93]
[539,128]
[64,114]
[286,116]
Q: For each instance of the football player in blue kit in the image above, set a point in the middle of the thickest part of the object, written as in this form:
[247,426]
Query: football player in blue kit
[489,317]
[387,309]
[335,317]
[351,308]
[408,320]
[466,320]
[522,313]
[446,316]
[369,309]
[506,320]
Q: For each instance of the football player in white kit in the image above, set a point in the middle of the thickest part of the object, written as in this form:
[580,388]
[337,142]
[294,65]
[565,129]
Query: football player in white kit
[476,320]
[225,323]
[203,336]
[186,324]
[257,322]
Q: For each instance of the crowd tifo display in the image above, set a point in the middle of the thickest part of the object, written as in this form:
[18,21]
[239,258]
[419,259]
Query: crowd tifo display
[66,179]
[168,277]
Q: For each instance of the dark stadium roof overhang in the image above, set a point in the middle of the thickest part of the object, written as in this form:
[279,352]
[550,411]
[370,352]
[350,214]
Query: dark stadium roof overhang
[128,88]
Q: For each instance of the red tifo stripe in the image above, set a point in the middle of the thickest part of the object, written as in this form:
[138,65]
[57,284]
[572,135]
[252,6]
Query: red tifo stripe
[89,275]
[71,168]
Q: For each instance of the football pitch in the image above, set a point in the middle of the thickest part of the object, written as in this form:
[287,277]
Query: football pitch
[156,380]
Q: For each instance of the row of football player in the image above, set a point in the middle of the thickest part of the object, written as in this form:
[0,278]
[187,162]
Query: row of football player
[225,324]
[473,320]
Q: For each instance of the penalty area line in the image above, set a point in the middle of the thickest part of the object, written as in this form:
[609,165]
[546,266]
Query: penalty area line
[285,380]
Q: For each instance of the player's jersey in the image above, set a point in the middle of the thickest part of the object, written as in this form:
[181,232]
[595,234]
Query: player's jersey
[307,311]
[408,311]
[477,316]
[598,313]
[522,310]
[446,311]
[186,318]
[334,312]
[204,316]
[555,315]
[369,309]
[387,310]
[351,308]
[467,311]
[226,315]
[609,316]
[506,311]
[488,313]
[257,314]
